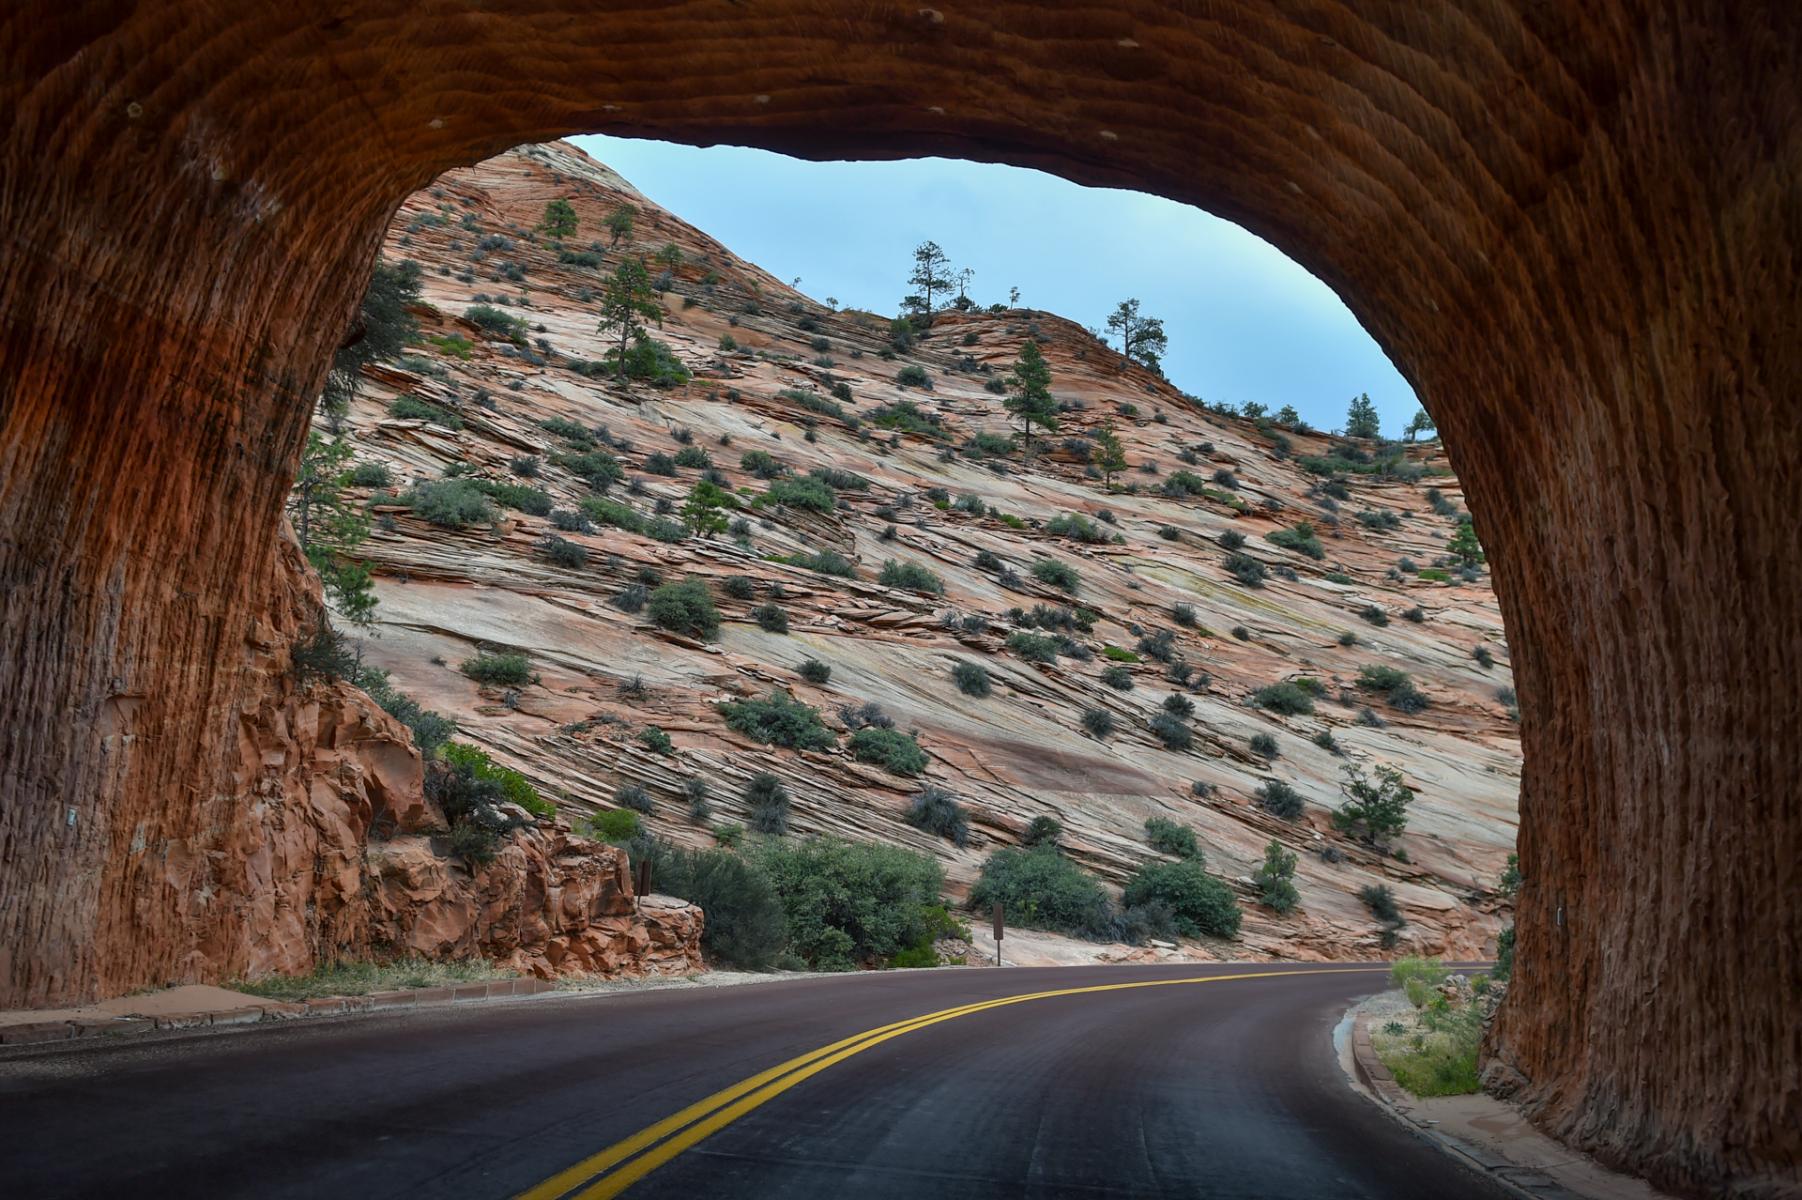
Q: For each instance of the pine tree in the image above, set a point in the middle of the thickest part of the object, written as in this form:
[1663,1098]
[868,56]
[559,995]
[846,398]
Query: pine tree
[1418,424]
[1286,415]
[1465,546]
[382,329]
[931,274]
[1361,420]
[1142,338]
[1029,395]
[1110,457]
[328,528]
[627,301]
[619,223]
[1276,878]
[559,220]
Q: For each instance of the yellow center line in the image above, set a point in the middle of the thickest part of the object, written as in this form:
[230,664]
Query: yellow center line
[706,1117]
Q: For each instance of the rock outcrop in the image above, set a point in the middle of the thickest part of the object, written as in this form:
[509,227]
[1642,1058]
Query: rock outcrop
[1574,228]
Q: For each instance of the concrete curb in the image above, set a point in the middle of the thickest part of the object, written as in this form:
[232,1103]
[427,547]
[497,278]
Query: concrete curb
[1395,1099]
[91,1028]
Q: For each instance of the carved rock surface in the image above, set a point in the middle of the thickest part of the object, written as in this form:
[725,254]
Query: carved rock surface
[1574,227]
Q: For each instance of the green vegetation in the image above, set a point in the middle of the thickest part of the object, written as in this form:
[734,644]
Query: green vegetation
[498,322]
[1275,879]
[386,325]
[746,925]
[768,801]
[329,529]
[412,408]
[1060,575]
[1033,647]
[685,608]
[1142,338]
[912,576]
[1374,811]
[1042,831]
[1299,537]
[450,504]
[937,811]
[628,300]
[1041,889]
[615,825]
[360,977]
[779,720]
[815,671]
[851,903]
[1464,545]
[1199,903]
[559,219]
[805,493]
[826,562]
[508,670]
[1287,697]
[770,618]
[1029,392]
[517,496]
[1168,837]
[888,748]
[1361,420]
[1280,800]
[1246,569]
[1434,1054]
[972,678]
[1077,528]
[1395,685]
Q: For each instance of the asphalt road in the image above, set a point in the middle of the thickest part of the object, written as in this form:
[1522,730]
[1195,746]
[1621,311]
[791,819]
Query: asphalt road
[1227,1088]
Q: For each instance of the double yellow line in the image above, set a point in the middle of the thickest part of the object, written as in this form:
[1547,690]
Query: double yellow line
[624,1163]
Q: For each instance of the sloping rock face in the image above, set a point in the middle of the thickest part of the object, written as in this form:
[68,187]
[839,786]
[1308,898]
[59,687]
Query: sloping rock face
[943,489]
[317,842]
[1574,227]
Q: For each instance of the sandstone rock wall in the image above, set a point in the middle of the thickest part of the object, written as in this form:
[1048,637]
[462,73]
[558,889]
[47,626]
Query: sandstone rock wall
[1574,227]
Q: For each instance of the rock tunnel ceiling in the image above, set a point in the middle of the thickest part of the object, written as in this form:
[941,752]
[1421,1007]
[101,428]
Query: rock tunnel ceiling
[1575,229]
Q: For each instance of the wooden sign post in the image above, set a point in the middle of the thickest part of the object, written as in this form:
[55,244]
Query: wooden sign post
[998,918]
[643,883]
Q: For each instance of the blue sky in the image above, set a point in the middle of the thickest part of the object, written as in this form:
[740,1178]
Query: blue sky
[1245,322]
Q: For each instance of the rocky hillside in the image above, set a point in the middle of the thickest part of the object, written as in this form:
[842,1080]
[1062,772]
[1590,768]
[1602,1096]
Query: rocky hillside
[1154,601]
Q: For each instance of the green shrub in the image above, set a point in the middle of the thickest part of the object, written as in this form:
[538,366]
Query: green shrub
[563,552]
[430,730]
[657,740]
[1077,528]
[849,903]
[937,811]
[450,503]
[826,562]
[517,496]
[779,720]
[1033,647]
[912,576]
[633,796]
[1117,677]
[1380,900]
[768,800]
[761,464]
[1264,744]
[1168,837]
[371,475]
[468,778]
[1375,615]
[1246,569]
[1285,697]
[805,493]
[739,587]
[1281,800]
[815,671]
[1275,879]
[1231,539]
[745,924]
[972,678]
[1200,903]
[888,748]
[686,608]
[1119,654]
[1394,685]
[1099,722]
[412,408]
[913,376]
[1059,575]
[509,670]
[1374,811]
[1042,831]
[1172,731]
[1041,889]
[615,825]
[502,324]
[770,618]
[1299,537]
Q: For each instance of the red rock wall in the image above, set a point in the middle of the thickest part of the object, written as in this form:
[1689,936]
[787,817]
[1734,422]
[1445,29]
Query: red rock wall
[1576,228]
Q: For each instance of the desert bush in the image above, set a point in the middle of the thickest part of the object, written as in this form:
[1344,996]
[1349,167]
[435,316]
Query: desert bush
[770,618]
[1034,647]
[1279,799]
[1395,685]
[1172,731]
[1264,744]
[1285,697]
[1099,722]
[615,825]
[563,552]
[745,923]
[937,811]
[815,671]
[1058,574]
[1299,537]
[1041,889]
[685,608]
[1077,528]
[1041,831]
[634,797]
[1200,903]
[851,903]
[657,740]
[888,748]
[826,562]
[912,576]
[779,720]
[450,503]
[510,670]
[412,408]
[1246,569]
[972,678]
[913,376]
[1376,810]
[1117,677]
[768,801]
[1375,615]
[1168,837]
[371,475]
[1381,901]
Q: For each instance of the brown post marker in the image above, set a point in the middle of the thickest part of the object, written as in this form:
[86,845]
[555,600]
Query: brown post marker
[643,882]
[998,916]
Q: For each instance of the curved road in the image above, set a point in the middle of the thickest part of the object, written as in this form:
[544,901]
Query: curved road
[902,1084]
